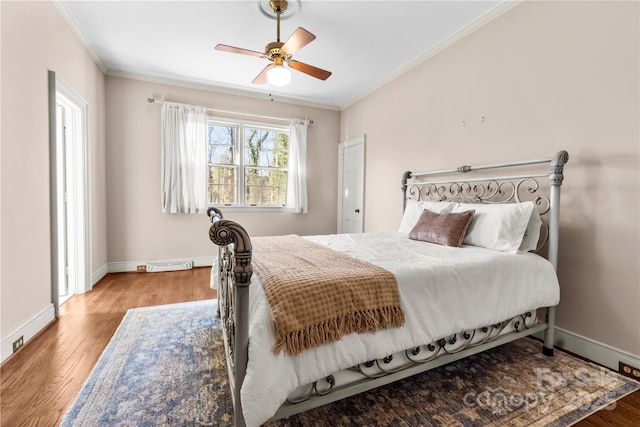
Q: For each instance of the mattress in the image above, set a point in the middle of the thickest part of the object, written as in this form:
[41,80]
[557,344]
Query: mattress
[443,291]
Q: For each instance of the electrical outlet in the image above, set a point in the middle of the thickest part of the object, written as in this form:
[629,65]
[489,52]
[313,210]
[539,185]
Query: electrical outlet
[629,371]
[142,269]
[18,343]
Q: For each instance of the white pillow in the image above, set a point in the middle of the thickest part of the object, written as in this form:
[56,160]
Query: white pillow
[497,226]
[532,233]
[414,209]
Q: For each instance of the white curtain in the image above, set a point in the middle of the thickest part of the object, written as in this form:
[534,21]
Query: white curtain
[297,172]
[184,158]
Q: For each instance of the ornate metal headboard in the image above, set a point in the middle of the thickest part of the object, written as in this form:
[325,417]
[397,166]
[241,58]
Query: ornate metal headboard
[521,186]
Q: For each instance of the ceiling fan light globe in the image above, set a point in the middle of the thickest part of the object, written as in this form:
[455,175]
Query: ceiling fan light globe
[279,76]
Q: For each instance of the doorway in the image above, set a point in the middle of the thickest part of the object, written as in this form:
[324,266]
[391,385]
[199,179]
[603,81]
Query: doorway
[351,185]
[69,192]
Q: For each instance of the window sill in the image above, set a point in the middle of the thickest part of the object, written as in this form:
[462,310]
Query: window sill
[249,208]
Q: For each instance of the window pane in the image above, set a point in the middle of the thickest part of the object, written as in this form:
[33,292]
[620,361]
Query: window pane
[265,186]
[221,154]
[264,147]
[222,143]
[222,184]
[281,150]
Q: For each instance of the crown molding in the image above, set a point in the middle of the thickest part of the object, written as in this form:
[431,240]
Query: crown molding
[265,96]
[73,25]
[454,38]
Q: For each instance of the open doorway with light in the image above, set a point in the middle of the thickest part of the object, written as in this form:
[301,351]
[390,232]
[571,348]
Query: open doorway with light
[69,191]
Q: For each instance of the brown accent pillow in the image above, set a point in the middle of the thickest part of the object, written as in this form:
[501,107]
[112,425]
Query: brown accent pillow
[446,229]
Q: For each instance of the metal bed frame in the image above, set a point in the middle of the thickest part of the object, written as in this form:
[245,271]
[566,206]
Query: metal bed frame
[235,271]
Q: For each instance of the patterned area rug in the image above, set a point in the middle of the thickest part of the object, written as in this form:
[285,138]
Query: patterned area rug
[165,366]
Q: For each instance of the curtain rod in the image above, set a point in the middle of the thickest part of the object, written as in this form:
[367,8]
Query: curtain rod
[160,101]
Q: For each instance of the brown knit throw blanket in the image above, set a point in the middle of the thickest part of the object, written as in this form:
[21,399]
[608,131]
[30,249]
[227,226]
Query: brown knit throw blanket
[318,295]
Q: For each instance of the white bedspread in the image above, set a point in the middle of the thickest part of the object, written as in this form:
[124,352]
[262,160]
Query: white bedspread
[443,291]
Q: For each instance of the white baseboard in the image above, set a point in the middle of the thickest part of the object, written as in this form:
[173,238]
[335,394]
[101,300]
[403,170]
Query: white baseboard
[99,274]
[27,331]
[126,266]
[591,349]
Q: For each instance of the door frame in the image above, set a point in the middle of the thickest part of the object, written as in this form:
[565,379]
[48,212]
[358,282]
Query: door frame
[357,140]
[61,92]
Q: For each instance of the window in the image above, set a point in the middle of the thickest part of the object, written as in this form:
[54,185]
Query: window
[247,164]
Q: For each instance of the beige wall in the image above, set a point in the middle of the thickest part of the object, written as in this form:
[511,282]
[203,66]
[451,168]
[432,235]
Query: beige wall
[139,231]
[35,39]
[546,76]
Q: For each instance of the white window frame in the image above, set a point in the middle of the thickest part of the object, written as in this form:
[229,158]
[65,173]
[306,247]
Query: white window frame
[241,186]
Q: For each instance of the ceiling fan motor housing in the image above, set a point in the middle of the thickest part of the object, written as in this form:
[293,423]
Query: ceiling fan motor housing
[274,50]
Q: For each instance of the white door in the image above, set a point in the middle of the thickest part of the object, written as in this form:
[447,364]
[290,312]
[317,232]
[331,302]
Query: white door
[351,182]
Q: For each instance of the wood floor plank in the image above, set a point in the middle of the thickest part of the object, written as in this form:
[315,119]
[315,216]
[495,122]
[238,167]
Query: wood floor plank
[39,382]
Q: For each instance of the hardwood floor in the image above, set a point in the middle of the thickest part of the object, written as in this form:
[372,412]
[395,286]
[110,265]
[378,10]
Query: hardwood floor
[625,413]
[40,381]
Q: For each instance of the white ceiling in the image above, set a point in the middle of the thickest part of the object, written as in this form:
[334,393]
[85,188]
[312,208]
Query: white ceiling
[363,43]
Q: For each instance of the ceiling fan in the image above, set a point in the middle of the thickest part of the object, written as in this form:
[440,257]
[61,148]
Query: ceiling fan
[280,53]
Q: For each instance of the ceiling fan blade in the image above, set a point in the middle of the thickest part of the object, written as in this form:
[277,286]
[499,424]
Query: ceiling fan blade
[318,73]
[232,49]
[262,77]
[299,39]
